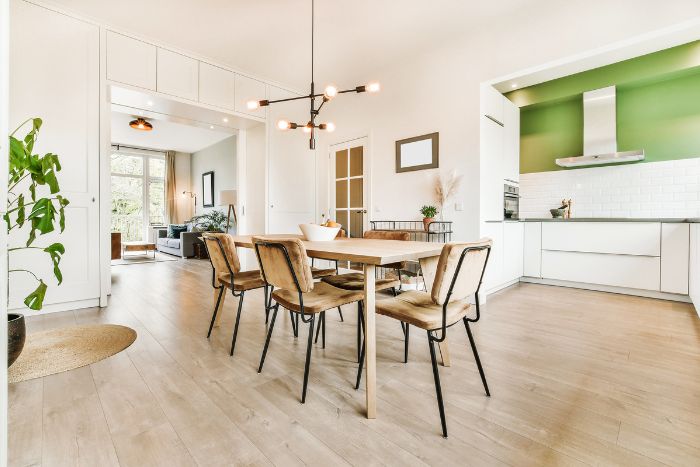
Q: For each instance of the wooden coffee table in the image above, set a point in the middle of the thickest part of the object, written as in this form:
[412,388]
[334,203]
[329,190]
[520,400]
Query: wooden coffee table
[138,246]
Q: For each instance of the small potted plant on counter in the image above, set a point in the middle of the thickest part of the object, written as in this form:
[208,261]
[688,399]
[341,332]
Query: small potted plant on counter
[429,213]
[28,215]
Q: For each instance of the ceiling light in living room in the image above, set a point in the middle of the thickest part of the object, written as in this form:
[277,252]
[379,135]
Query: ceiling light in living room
[140,124]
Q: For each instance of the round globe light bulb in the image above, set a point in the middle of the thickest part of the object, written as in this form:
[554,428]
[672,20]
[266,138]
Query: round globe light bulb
[283,125]
[373,87]
[330,91]
[330,127]
[252,105]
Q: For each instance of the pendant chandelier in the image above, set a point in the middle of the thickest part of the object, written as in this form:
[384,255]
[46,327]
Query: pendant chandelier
[329,93]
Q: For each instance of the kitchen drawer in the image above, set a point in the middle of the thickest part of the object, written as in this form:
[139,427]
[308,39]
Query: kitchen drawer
[636,272]
[622,238]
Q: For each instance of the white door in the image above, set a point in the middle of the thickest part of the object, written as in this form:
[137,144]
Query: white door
[54,75]
[291,169]
[349,186]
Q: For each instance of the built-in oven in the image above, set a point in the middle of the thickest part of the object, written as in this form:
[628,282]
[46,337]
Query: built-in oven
[511,201]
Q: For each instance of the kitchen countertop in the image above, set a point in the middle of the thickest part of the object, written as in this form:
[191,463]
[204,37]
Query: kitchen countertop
[691,220]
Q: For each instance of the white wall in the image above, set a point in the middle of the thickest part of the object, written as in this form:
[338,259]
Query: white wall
[4,79]
[220,158]
[439,91]
[655,189]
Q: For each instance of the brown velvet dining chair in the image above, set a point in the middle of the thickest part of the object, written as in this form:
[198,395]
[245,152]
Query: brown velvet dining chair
[458,277]
[227,275]
[286,271]
[356,280]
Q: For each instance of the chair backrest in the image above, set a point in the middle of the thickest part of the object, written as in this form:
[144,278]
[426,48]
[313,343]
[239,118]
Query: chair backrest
[390,235]
[469,274]
[283,259]
[387,235]
[222,252]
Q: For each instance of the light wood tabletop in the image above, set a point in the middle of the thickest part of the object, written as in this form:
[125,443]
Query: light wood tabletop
[370,253]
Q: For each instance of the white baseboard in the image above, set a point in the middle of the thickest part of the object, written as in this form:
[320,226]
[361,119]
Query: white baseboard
[483,296]
[611,289]
[57,307]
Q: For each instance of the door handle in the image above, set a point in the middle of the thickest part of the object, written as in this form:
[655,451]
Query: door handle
[362,211]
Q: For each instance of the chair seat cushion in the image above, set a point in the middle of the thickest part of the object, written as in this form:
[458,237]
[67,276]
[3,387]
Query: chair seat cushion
[417,308]
[356,281]
[318,273]
[323,297]
[244,280]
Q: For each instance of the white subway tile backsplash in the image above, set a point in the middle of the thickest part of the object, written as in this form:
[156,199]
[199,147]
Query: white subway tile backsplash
[654,189]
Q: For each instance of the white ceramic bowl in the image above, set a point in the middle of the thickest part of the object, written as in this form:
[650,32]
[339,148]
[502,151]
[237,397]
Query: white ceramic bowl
[318,233]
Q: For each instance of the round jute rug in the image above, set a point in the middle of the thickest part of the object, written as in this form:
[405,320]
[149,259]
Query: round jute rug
[58,350]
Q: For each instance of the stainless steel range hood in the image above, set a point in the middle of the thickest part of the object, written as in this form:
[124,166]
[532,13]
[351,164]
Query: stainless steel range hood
[600,132]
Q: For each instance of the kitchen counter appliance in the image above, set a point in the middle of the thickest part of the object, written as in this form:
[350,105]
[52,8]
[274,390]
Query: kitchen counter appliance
[511,201]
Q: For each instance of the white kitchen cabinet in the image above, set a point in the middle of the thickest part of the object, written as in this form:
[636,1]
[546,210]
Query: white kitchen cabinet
[248,89]
[131,61]
[491,172]
[694,267]
[622,238]
[217,86]
[512,251]
[178,75]
[636,272]
[493,276]
[492,103]
[532,249]
[675,252]
[511,143]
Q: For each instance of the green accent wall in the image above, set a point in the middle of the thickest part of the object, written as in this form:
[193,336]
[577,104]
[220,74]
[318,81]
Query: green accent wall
[658,109]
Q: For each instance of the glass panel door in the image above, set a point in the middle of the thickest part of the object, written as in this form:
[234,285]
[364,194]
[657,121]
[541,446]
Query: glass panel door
[350,204]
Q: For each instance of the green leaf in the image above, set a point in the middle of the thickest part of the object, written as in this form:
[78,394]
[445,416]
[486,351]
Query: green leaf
[42,216]
[18,158]
[32,191]
[6,216]
[49,167]
[35,300]
[20,210]
[56,250]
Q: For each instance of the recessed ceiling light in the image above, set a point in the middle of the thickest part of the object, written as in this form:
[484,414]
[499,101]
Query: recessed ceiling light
[150,103]
[211,127]
[514,85]
[225,120]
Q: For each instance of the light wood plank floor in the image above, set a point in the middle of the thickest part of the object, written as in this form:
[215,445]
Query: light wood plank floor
[577,378]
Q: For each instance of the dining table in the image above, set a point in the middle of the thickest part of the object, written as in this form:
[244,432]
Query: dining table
[370,253]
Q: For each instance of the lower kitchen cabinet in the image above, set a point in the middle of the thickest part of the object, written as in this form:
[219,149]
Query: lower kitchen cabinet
[675,254]
[505,264]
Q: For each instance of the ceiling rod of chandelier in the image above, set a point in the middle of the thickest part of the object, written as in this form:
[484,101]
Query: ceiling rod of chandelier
[329,93]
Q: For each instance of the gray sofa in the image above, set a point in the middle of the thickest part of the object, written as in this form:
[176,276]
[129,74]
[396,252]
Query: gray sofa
[183,246]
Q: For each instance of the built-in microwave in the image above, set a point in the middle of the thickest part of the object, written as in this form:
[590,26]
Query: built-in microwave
[511,201]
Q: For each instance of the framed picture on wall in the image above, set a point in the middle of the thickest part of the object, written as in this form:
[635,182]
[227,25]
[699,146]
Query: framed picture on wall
[417,153]
[208,189]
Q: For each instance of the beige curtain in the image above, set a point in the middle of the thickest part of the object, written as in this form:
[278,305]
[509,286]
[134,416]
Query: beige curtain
[170,189]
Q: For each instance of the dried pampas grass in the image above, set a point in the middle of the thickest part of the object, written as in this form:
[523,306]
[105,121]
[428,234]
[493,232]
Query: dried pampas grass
[446,188]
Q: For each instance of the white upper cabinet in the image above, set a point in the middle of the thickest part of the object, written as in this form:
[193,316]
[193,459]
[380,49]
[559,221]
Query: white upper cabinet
[248,89]
[491,170]
[131,61]
[217,86]
[511,145]
[492,103]
[178,75]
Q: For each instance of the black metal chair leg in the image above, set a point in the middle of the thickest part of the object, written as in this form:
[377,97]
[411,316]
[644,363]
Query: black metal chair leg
[318,328]
[295,324]
[438,389]
[405,344]
[323,331]
[267,305]
[340,312]
[308,359]
[216,310]
[403,328]
[361,359]
[476,357]
[359,336]
[238,319]
[267,340]
[393,290]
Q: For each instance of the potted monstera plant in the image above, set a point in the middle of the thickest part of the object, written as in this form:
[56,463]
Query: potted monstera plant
[211,221]
[33,204]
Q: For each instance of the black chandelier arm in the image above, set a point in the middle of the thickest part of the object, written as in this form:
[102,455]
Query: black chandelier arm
[265,103]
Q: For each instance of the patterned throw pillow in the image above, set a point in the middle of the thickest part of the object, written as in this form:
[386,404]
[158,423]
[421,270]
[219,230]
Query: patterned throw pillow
[174,230]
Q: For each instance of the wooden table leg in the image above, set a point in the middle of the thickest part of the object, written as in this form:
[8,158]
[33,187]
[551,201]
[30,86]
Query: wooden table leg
[370,342]
[428,267]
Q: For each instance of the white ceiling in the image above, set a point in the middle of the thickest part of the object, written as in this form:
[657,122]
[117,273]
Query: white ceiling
[166,135]
[271,38]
